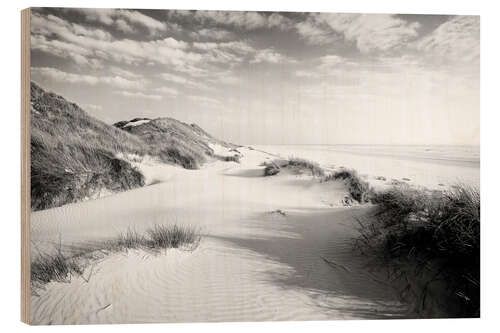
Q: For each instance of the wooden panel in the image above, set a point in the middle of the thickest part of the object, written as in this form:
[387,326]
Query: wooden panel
[25,165]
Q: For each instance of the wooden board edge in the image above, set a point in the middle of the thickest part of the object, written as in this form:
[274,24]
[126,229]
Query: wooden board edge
[25,165]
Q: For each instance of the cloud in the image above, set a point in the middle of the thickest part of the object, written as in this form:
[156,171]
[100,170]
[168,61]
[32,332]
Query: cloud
[123,26]
[326,66]
[314,33]
[205,101]
[224,52]
[98,44]
[212,34]
[369,32]
[167,91]
[183,81]
[144,20]
[279,21]
[50,24]
[124,73]
[123,19]
[242,20]
[65,77]
[270,56]
[140,95]
[456,40]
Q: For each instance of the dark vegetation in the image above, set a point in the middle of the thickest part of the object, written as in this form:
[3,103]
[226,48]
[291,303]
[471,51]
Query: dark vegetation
[359,189]
[231,158]
[59,267]
[303,164]
[271,170]
[297,164]
[75,156]
[431,240]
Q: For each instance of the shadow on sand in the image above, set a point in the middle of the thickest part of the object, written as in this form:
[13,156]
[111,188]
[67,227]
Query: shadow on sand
[323,264]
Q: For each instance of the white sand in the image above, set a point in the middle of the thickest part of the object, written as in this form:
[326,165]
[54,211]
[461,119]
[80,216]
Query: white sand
[433,167]
[252,264]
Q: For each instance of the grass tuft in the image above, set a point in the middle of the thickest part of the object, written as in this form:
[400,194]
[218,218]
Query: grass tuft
[301,163]
[55,267]
[163,237]
[359,189]
[432,229]
[59,267]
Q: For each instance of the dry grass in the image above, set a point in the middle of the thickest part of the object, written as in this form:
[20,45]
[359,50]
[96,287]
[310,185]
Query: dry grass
[298,164]
[360,190]
[431,229]
[59,267]
[303,164]
[75,156]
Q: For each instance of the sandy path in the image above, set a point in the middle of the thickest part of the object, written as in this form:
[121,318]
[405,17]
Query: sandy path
[251,264]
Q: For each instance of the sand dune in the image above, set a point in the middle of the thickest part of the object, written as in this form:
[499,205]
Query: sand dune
[253,263]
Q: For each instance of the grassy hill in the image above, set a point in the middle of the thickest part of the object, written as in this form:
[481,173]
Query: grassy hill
[75,156]
[173,141]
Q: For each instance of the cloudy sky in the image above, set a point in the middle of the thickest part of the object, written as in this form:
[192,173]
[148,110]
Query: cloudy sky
[269,78]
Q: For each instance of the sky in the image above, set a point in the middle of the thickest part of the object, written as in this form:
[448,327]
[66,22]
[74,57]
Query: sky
[268,77]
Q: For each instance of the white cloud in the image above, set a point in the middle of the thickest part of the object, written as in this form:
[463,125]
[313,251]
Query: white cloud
[242,20]
[370,32]
[123,19]
[271,56]
[124,73]
[98,45]
[183,81]
[224,52]
[123,26]
[212,34]
[456,40]
[140,95]
[205,100]
[279,21]
[167,91]
[315,34]
[49,73]
[148,22]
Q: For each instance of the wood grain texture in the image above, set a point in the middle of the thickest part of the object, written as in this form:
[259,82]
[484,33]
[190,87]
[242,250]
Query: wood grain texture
[25,165]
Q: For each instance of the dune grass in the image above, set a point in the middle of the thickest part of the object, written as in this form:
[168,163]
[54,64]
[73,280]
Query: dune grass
[56,267]
[59,267]
[75,156]
[301,164]
[230,158]
[359,189]
[438,234]
[298,164]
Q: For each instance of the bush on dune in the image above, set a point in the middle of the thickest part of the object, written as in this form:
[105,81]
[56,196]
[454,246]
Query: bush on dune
[432,228]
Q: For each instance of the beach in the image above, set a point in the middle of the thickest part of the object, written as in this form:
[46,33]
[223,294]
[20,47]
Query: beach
[272,248]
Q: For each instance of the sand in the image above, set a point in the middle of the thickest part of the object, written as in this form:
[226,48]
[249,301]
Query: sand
[253,263]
